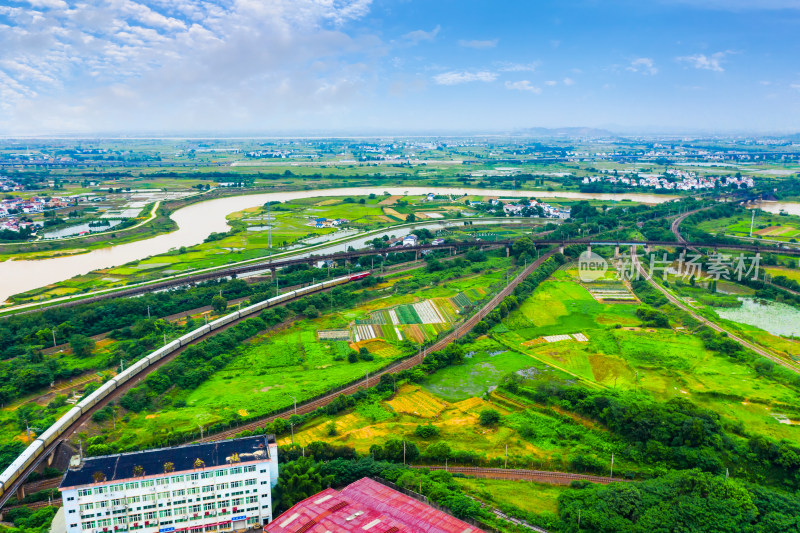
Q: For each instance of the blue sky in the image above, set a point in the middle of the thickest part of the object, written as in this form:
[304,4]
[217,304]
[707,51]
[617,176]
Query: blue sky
[398,66]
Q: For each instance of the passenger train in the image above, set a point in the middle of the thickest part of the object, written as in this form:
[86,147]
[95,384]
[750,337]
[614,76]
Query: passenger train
[38,446]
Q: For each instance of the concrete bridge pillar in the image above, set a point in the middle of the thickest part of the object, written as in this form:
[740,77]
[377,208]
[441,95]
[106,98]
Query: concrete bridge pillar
[616,252]
[20,494]
[588,249]
[508,251]
[561,248]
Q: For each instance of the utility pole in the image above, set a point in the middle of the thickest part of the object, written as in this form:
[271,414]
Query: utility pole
[148,312]
[54,337]
[506,456]
[752,220]
[165,339]
[201,431]
[404,452]
[612,466]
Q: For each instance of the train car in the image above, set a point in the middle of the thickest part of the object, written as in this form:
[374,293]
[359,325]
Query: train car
[158,354]
[66,420]
[33,451]
[22,462]
[194,334]
[164,351]
[97,395]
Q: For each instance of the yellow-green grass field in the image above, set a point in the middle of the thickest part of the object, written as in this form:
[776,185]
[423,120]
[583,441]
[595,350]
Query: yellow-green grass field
[537,498]
[550,444]
[271,369]
[668,363]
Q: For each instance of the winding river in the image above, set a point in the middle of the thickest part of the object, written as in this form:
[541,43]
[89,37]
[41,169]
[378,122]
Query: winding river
[198,221]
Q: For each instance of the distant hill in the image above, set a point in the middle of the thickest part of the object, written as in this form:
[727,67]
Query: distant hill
[571,133]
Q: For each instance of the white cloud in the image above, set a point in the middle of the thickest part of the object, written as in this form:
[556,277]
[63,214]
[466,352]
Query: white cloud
[456,77]
[645,65]
[704,62]
[569,81]
[523,85]
[551,83]
[179,64]
[478,44]
[417,36]
[518,67]
[795,86]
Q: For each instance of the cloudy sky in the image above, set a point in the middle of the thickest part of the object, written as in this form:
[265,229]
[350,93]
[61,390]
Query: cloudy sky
[317,66]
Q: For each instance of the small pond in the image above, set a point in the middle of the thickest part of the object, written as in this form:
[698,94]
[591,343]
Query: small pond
[776,318]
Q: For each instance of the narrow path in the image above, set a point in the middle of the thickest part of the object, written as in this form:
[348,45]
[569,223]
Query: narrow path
[538,476]
[678,303]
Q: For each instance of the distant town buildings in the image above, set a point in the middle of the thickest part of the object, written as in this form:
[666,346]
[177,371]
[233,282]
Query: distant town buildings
[366,506]
[327,222]
[673,179]
[212,487]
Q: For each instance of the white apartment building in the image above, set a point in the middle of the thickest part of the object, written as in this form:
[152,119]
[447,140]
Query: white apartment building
[200,488]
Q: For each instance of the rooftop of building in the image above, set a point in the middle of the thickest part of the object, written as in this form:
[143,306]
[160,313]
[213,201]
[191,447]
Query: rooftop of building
[366,505]
[213,454]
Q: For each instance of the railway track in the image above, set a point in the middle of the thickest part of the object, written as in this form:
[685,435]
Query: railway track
[678,303]
[539,476]
[405,364]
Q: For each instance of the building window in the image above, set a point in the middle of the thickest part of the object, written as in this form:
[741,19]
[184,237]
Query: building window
[105,522]
[120,520]
[87,492]
[86,525]
[177,479]
[117,488]
[206,475]
[223,472]
[148,483]
[117,501]
[134,485]
[252,499]
[208,506]
[208,488]
[194,477]
[237,470]
[222,486]
[251,468]
[195,508]
[163,513]
[250,481]
[163,495]
[134,499]
[181,492]
[162,481]
[194,490]
[86,506]
[151,515]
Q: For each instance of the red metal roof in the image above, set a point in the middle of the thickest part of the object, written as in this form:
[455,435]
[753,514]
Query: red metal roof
[365,506]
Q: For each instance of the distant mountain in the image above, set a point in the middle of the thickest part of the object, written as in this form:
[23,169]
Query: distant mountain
[571,133]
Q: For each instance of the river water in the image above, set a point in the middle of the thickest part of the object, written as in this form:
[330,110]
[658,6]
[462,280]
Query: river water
[198,221]
[793,208]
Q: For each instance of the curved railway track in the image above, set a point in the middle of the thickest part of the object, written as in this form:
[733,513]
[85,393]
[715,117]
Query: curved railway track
[678,303]
[405,364]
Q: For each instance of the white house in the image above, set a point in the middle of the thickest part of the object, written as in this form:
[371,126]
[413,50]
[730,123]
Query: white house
[218,486]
